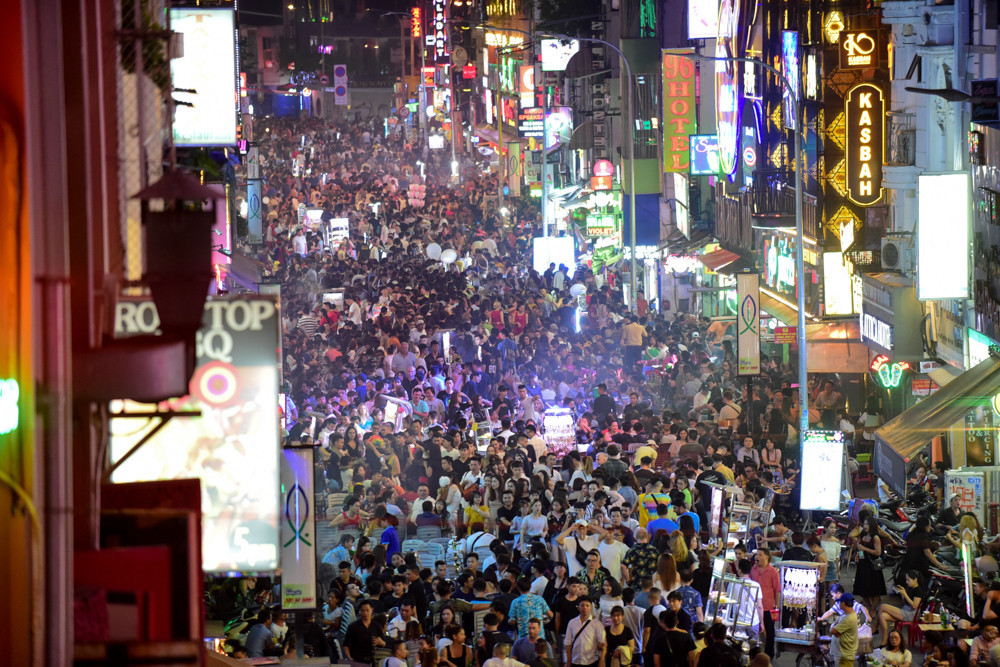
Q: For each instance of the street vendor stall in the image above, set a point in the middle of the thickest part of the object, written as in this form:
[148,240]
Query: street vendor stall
[799,602]
[733,601]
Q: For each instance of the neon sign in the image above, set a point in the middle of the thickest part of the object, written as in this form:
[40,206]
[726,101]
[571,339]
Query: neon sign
[416,24]
[436,39]
[858,49]
[502,39]
[728,85]
[679,121]
[864,109]
[889,373]
[508,79]
[790,68]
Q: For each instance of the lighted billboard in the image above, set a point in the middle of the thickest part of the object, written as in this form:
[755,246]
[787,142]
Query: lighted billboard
[232,446]
[864,148]
[208,67]
[943,236]
[703,19]
[822,470]
[679,119]
[704,154]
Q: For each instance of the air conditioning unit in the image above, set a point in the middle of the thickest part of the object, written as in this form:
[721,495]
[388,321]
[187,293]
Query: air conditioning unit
[897,255]
[598,103]
[597,51]
[598,89]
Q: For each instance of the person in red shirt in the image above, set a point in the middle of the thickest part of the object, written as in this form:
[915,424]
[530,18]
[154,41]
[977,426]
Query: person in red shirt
[767,577]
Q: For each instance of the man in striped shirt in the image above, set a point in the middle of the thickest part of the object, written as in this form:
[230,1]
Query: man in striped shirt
[308,322]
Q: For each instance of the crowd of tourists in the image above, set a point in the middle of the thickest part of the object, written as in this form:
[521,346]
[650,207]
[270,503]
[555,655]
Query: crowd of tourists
[424,386]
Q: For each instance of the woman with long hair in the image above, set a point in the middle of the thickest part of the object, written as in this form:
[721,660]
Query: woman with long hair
[456,653]
[494,495]
[869,581]
[446,617]
[351,516]
[666,577]
[611,598]
[682,555]
[703,575]
[771,455]
[476,510]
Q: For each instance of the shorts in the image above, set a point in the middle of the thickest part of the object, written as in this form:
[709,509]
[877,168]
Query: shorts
[908,613]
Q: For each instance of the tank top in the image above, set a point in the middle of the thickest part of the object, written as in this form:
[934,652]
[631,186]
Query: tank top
[348,521]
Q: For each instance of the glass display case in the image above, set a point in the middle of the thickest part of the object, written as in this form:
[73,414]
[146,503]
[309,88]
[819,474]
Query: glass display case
[747,524]
[799,602]
[734,601]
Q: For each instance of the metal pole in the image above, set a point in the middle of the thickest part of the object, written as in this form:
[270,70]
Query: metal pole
[498,112]
[545,162]
[800,274]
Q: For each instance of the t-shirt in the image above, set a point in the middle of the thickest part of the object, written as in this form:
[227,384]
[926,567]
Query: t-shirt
[611,557]
[647,506]
[666,524]
[567,610]
[845,645]
[571,544]
[390,538]
[509,515]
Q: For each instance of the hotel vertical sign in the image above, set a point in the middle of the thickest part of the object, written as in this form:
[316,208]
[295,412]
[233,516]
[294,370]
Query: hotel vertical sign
[679,120]
[864,110]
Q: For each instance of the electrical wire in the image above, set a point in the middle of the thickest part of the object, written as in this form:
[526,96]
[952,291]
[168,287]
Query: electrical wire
[21,493]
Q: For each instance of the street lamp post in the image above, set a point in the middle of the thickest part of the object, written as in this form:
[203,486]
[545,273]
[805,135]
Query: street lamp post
[800,336]
[402,58]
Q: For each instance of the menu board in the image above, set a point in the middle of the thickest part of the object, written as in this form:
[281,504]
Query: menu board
[822,470]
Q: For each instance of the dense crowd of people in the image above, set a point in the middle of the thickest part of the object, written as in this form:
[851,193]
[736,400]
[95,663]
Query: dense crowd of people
[424,386]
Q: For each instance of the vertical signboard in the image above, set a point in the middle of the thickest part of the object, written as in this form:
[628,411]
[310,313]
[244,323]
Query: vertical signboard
[679,120]
[232,446]
[206,116]
[980,437]
[340,85]
[943,217]
[864,114]
[298,530]
[790,67]
[255,212]
[969,488]
[748,323]
[729,83]
[436,35]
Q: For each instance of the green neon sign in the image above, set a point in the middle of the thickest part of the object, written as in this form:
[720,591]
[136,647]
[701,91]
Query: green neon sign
[9,394]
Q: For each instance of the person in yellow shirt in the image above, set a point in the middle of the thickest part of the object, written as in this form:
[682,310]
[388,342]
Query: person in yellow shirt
[721,468]
[649,449]
[633,336]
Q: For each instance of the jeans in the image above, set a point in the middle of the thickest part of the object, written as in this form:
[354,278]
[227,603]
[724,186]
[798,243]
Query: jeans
[769,630]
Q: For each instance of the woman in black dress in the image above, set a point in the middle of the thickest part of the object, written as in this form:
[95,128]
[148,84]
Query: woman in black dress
[869,582]
[621,641]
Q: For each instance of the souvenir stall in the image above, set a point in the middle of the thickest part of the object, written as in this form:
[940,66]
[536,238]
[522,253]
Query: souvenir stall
[733,600]
[799,606]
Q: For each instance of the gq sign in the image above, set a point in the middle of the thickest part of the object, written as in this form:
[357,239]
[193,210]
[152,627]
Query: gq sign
[865,127]
[678,110]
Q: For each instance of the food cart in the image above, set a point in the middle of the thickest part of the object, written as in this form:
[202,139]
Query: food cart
[799,606]
[733,601]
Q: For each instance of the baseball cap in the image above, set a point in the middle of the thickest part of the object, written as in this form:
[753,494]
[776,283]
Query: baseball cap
[846,598]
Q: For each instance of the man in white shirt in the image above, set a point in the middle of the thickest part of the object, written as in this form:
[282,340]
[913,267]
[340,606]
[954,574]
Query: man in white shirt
[474,476]
[613,550]
[396,628]
[500,652]
[580,539]
[535,441]
[423,493]
[398,656]
[586,643]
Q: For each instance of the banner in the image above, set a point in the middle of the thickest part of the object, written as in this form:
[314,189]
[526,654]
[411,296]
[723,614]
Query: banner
[232,445]
[679,120]
[748,323]
[298,530]
[253,161]
[340,85]
[255,212]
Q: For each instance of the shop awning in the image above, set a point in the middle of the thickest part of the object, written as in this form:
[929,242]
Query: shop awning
[778,310]
[246,271]
[904,436]
[717,259]
[740,265]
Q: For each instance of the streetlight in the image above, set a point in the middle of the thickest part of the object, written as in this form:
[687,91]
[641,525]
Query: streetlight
[800,336]
[631,156]
[402,55]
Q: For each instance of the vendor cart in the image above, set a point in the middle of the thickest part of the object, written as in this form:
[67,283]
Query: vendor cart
[734,601]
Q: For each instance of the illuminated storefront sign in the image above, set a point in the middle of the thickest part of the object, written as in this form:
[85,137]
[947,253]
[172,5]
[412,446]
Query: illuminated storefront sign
[728,85]
[790,67]
[502,39]
[704,154]
[864,109]
[556,53]
[858,49]
[889,373]
[749,141]
[838,285]
[679,120]
[833,25]
[703,19]
[875,330]
[416,24]
[601,224]
[509,68]
[436,39]
[527,86]
[943,221]
[206,117]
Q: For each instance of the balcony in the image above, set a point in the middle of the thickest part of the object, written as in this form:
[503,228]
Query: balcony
[901,148]
[900,171]
[772,198]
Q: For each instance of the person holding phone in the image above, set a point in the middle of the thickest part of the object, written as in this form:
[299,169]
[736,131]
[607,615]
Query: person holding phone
[913,597]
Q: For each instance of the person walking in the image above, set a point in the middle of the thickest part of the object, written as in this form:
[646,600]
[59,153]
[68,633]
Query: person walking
[765,575]
[844,644]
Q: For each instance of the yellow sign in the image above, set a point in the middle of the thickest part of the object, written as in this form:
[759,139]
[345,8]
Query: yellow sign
[502,39]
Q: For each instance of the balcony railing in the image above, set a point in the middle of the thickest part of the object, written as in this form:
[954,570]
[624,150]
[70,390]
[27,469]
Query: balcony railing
[772,195]
[902,140]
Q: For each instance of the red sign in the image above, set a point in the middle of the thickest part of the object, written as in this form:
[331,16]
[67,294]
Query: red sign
[604,168]
[600,183]
[469,72]
[415,24]
[679,119]
[429,77]
[924,387]
[785,335]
